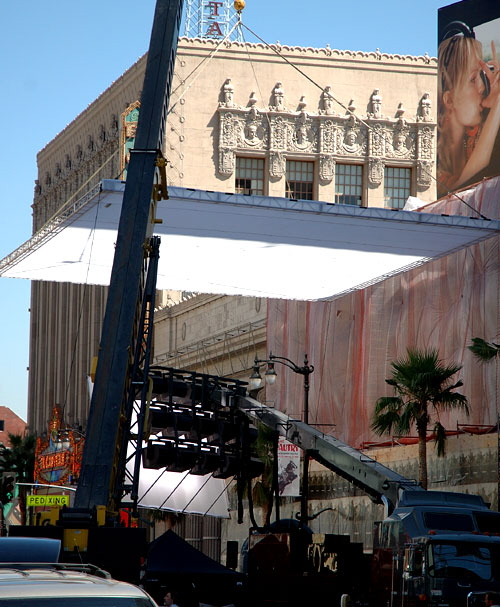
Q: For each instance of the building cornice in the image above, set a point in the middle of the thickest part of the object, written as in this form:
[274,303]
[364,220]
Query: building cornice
[301,51]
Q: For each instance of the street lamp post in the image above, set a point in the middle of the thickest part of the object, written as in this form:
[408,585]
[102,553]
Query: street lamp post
[305,370]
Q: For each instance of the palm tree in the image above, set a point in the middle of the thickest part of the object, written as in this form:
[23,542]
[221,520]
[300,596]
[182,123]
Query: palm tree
[259,490]
[421,382]
[19,458]
[262,489]
[484,350]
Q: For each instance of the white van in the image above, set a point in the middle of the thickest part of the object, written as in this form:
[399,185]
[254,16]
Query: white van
[59,585]
[30,576]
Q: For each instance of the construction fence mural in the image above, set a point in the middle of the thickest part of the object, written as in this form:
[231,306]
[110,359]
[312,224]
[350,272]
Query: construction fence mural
[352,340]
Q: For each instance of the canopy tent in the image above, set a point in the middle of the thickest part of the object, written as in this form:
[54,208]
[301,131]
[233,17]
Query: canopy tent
[174,565]
[170,554]
[246,245]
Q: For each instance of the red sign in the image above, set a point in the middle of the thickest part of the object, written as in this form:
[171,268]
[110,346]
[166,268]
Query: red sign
[58,458]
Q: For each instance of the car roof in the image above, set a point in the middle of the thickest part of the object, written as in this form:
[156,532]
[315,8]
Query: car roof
[19,582]
[39,549]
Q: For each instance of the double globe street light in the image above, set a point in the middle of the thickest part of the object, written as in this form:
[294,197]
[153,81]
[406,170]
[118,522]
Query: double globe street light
[255,382]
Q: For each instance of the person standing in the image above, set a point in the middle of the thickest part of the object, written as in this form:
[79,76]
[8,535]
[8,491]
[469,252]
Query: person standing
[168,600]
[492,599]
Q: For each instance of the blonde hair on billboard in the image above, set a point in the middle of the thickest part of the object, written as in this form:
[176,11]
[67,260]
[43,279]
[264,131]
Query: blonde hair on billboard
[457,56]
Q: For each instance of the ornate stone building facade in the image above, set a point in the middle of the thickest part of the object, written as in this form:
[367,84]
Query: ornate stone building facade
[337,126]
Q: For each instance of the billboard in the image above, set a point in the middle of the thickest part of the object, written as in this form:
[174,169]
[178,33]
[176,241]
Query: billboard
[468,147]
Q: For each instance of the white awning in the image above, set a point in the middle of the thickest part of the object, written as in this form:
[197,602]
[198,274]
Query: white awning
[246,245]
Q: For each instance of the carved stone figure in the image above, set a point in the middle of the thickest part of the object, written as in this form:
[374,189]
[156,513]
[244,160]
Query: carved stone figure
[226,162]
[278,133]
[375,171]
[277,165]
[279,97]
[326,167]
[400,143]
[228,93]
[424,173]
[425,143]
[327,101]
[425,108]
[377,140]
[227,130]
[376,103]
[302,137]
[253,113]
[252,134]
[351,141]
[327,137]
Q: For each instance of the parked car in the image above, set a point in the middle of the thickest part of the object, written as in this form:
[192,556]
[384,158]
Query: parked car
[65,585]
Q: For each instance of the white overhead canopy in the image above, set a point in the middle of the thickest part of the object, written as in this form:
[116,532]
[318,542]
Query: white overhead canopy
[246,245]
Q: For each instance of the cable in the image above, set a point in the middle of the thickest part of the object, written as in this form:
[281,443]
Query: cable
[80,315]
[91,239]
[205,59]
[225,490]
[151,486]
[174,489]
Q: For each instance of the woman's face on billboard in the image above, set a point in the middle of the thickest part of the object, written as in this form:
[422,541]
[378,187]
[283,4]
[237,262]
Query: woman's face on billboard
[468,97]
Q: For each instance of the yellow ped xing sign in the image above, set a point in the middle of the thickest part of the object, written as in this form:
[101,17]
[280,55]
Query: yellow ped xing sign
[47,500]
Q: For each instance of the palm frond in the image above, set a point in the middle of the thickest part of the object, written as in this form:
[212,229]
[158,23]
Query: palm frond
[483,350]
[387,414]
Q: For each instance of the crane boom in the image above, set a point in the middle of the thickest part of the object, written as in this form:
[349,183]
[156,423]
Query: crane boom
[381,483]
[107,424]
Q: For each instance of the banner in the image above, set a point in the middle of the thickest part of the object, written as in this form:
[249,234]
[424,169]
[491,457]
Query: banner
[288,469]
[468,146]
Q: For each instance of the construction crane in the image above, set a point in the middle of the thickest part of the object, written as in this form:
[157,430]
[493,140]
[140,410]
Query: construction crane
[91,528]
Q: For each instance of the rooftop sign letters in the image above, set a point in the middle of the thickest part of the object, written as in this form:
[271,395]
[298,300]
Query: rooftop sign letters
[214,27]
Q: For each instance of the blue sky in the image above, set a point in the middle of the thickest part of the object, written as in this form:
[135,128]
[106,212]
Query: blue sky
[58,56]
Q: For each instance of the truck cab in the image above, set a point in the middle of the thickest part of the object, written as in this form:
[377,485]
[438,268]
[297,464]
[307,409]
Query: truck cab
[437,548]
